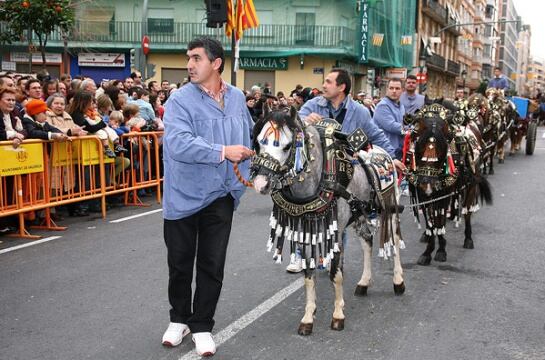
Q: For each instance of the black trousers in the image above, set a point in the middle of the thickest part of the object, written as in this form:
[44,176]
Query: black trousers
[203,235]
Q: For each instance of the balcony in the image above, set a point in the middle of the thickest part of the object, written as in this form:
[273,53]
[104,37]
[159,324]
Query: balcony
[117,35]
[436,62]
[453,68]
[451,21]
[435,10]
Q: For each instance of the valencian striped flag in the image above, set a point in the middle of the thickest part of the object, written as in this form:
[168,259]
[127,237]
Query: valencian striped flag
[244,18]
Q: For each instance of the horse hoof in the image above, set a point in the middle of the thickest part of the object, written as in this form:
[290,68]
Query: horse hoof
[399,289]
[424,260]
[491,172]
[305,329]
[440,256]
[337,324]
[468,244]
[361,290]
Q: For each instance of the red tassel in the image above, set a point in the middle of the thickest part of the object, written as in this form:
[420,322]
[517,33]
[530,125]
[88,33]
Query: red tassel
[451,166]
[406,143]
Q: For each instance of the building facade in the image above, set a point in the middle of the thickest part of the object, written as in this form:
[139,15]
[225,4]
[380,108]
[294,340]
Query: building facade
[491,39]
[536,77]
[523,61]
[297,42]
[437,44]
[507,52]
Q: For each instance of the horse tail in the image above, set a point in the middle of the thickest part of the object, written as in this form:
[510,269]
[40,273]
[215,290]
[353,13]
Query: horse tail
[485,190]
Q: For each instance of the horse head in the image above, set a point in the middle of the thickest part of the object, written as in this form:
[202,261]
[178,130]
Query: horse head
[276,138]
[431,136]
[478,110]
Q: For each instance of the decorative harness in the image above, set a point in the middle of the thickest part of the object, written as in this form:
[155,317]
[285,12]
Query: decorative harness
[310,225]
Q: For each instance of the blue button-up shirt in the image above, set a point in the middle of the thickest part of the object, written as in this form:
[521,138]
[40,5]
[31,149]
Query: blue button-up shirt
[196,129]
[357,116]
[498,83]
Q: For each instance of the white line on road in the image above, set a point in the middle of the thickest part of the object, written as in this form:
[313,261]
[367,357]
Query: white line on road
[251,316]
[136,216]
[13,248]
[543,135]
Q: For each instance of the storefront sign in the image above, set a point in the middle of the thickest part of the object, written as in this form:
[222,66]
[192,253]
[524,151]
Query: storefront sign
[25,159]
[9,65]
[265,63]
[101,59]
[364,32]
[396,73]
[36,58]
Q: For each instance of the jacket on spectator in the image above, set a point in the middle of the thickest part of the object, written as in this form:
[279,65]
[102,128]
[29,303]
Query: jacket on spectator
[356,116]
[412,103]
[38,130]
[389,117]
[146,110]
[79,119]
[62,122]
[17,126]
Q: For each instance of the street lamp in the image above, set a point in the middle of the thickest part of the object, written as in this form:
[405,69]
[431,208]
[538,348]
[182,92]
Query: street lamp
[464,76]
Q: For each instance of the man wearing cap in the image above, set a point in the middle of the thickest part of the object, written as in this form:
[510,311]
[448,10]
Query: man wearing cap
[34,122]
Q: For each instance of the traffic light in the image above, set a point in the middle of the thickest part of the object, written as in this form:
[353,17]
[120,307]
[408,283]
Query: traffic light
[216,13]
[133,57]
[150,71]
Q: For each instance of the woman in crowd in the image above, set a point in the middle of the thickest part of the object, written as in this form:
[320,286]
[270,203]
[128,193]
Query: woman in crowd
[50,87]
[83,112]
[157,106]
[58,117]
[11,127]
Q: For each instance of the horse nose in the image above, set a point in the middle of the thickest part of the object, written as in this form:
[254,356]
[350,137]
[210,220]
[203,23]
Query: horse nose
[261,184]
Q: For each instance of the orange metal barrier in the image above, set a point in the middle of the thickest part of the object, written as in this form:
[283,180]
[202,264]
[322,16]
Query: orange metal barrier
[40,175]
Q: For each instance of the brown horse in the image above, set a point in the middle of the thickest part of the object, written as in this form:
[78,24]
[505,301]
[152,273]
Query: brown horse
[444,164]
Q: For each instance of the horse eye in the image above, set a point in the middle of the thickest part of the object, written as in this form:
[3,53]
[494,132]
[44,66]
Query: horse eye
[287,147]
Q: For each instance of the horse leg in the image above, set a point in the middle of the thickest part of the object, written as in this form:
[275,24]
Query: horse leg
[501,152]
[468,241]
[425,258]
[305,326]
[441,254]
[337,322]
[366,276]
[399,284]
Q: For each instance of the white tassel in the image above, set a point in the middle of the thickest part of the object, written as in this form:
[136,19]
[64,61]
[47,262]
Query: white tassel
[278,259]
[295,236]
[336,248]
[419,226]
[304,264]
[301,237]
[313,239]
[290,235]
[278,230]
[335,228]
[270,245]
[401,244]
[320,237]
[381,253]
[307,238]
[312,263]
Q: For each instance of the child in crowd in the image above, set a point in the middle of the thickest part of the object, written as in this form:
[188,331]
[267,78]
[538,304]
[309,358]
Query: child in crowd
[117,122]
[105,134]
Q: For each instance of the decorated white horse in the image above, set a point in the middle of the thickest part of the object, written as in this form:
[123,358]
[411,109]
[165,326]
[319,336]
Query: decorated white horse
[319,187]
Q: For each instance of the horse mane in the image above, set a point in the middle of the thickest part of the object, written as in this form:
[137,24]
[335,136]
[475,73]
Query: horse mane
[280,115]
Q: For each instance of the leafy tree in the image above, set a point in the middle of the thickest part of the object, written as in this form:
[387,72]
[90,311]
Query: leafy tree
[41,16]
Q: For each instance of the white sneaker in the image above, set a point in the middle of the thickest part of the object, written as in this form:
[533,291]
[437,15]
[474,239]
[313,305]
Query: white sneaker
[295,265]
[204,344]
[175,334]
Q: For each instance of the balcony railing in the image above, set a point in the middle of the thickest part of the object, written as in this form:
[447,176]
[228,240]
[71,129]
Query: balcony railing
[453,67]
[437,61]
[435,10]
[126,34]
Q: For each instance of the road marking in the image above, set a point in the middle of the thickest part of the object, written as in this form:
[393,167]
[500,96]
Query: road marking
[251,316]
[13,248]
[543,135]
[136,216]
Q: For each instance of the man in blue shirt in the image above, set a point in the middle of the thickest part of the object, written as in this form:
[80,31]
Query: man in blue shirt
[336,104]
[207,126]
[499,81]
[410,99]
[389,115]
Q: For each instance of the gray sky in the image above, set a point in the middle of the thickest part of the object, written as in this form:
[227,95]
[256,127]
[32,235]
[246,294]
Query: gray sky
[533,13]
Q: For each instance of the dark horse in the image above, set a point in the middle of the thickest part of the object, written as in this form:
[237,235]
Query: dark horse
[444,173]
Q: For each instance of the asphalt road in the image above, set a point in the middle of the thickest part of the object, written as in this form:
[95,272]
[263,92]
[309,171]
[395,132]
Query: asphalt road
[99,291]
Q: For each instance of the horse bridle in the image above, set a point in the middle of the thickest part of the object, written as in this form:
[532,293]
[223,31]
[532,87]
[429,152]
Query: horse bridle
[281,175]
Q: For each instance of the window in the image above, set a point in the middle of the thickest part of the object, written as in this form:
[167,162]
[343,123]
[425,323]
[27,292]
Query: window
[304,28]
[160,21]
